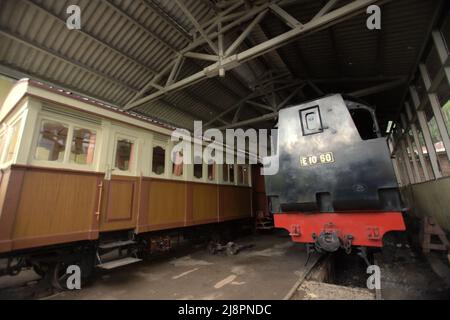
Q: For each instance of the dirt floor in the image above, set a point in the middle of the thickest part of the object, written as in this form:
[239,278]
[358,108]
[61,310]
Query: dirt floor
[407,274]
[268,270]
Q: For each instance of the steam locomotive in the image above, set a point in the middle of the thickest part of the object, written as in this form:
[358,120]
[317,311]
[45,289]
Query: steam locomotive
[336,186]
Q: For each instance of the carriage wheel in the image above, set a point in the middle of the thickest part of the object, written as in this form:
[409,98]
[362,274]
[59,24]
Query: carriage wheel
[58,276]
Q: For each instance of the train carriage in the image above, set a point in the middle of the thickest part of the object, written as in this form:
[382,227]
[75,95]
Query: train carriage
[78,177]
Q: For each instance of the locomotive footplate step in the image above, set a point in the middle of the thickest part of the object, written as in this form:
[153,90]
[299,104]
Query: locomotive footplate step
[118,263]
[116,244]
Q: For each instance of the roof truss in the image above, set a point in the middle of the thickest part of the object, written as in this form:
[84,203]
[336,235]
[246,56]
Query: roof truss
[227,59]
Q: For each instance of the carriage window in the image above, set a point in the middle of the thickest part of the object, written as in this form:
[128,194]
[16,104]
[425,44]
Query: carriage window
[240,170]
[13,141]
[83,146]
[124,154]
[177,167]
[231,172]
[159,160]
[211,171]
[243,175]
[52,141]
[225,172]
[198,167]
[212,167]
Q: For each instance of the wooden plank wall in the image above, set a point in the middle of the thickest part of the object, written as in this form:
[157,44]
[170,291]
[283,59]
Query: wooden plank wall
[49,206]
[42,206]
[168,204]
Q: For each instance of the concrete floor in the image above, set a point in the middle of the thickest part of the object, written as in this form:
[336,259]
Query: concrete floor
[187,273]
[195,274]
[267,270]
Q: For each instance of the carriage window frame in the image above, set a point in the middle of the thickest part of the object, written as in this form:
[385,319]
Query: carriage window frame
[224,168]
[40,138]
[66,163]
[245,175]
[231,177]
[228,168]
[133,162]
[93,133]
[165,148]
[172,167]
[212,164]
[201,167]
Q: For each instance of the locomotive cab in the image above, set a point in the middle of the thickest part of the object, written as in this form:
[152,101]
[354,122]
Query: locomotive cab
[336,185]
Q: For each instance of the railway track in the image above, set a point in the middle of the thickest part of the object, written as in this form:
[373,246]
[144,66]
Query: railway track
[316,282]
[312,263]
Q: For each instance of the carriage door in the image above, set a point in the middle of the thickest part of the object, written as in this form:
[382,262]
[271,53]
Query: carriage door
[120,186]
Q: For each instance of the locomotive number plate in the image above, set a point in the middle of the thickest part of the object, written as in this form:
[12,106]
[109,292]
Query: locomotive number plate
[323,158]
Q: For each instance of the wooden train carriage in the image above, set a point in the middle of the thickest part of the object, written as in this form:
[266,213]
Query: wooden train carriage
[73,169]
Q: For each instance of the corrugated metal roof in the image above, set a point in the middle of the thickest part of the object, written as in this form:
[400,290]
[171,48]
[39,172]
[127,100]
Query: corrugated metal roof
[123,43]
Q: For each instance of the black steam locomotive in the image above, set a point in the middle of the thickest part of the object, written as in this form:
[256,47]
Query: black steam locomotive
[336,185]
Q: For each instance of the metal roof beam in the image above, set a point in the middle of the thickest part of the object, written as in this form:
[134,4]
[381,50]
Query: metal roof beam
[260,105]
[265,117]
[326,8]
[174,66]
[200,41]
[244,123]
[377,89]
[201,56]
[155,7]
[261,91]
[197,25]
[286,17]
[233,47]
[331,18]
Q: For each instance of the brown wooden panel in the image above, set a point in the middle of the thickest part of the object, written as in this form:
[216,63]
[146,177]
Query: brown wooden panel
[54,204]
[258,182]
[120,204]
[166,203]
[235,202]
[9,201]
[119,208]
[205,202]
